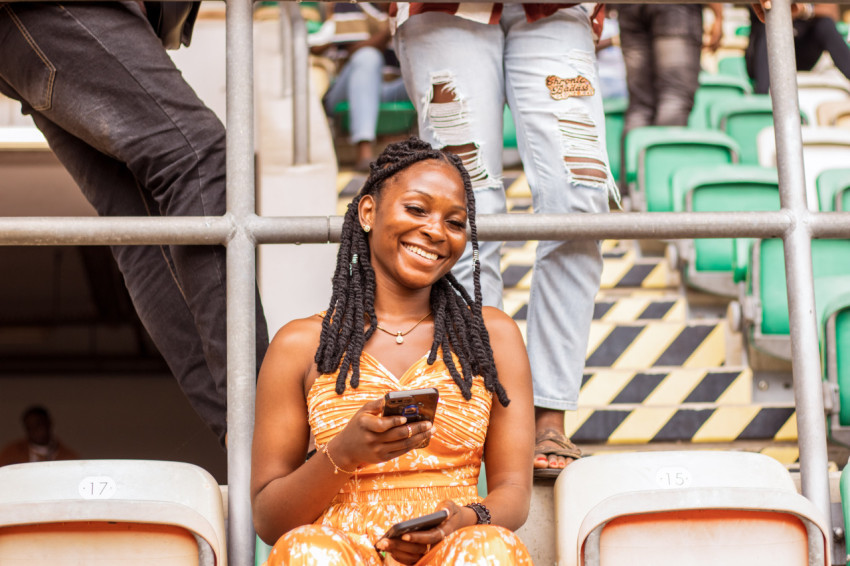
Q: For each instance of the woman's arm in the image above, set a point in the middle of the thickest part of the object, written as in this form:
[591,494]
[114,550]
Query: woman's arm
[281,435]
[286,491]
[509,449]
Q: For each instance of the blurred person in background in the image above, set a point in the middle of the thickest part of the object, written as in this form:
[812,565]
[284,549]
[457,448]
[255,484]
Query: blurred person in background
[39,444]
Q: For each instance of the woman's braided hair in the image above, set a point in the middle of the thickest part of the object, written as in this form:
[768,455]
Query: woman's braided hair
[458,323]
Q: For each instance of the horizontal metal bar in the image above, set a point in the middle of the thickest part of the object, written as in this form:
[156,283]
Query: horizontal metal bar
[323,229]
[829,224]
[739,2]
[631,225]
[627,225]
[114,230]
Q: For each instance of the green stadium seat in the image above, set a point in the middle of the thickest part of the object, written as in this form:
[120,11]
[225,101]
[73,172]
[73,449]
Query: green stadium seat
[261,552]
[711,89]
[834,329]
[733,66]
[765,303]
[393,117]
[508,130]
[708,262]
[834,190]
[615,116]
[742,119]
[653,153]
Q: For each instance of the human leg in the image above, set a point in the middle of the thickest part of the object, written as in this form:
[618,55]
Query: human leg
[479,545]
[97,73]
[756,56]
[148,272]
[561,136]
[636,44]
[816,36]
[319,545]
[459,99]
[362,81]
[677,44]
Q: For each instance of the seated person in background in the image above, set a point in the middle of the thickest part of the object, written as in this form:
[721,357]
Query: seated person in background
[357,37]
[39,445]
[397,320]
[814,33]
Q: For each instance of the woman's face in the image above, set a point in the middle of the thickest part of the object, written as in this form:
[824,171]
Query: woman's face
[418,224]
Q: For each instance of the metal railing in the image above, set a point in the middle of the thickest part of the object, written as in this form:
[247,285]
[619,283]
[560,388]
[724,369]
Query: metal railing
[241,230]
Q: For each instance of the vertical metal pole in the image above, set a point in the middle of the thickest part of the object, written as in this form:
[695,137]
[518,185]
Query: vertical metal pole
[300,88]
[241,334]
[286,47]
[808,392]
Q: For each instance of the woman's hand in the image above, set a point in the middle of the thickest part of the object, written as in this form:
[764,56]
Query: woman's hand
[370,438]
[412,546]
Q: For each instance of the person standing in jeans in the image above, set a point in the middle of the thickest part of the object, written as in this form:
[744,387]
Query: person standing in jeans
[139,142]
[359,45]
[662,44]
[461,63]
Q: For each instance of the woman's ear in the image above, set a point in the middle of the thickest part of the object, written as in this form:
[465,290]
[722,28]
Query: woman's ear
[366,211]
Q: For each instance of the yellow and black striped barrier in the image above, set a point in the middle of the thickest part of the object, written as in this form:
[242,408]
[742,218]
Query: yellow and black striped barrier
[651,344]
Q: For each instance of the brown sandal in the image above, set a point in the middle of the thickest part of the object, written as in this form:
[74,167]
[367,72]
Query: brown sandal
[564,448]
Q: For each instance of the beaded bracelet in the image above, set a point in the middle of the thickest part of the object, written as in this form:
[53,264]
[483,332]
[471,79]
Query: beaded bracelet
[337,469]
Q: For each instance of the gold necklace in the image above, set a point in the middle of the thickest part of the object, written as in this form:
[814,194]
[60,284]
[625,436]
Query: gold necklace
[399,335]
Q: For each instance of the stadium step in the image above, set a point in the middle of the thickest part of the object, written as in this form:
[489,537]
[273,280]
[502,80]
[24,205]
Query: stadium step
[700,406]
[642,345]
[623,267]
[612,309]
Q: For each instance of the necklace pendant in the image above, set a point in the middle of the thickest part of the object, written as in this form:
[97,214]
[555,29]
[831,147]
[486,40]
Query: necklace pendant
[399,339]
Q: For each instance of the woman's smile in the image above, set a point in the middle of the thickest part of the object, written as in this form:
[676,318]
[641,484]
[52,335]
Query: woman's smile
[421,252]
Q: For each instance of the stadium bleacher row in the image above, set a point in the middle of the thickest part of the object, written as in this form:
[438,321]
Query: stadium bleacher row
[617,508]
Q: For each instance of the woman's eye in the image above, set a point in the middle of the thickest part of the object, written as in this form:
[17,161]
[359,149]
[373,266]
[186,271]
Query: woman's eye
[415,209]
[458,224]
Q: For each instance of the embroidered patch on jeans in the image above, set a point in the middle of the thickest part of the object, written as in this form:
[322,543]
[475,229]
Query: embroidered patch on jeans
[561,89]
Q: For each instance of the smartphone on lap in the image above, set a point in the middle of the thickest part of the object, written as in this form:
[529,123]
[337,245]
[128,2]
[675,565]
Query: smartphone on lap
[415,404]
[423,523]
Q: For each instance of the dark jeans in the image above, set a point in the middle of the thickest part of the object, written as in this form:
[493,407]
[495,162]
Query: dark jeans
[811,38]
[138,142]
[661,46]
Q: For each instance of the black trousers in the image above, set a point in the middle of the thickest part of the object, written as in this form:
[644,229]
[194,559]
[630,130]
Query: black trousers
[811,38]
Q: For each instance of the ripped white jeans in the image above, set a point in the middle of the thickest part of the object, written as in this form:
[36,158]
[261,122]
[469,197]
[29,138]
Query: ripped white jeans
[546,71]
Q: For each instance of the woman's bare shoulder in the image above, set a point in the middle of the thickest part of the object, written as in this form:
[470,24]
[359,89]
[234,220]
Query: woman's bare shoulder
[297,338]
[498,322]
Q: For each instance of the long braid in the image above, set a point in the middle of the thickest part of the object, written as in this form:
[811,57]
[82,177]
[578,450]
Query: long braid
[458,322]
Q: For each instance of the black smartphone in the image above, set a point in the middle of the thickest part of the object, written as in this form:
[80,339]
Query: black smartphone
[415,404]
[418,524]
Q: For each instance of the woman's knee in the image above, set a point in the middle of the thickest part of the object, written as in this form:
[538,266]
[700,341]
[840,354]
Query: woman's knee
[311,545]
[485,544]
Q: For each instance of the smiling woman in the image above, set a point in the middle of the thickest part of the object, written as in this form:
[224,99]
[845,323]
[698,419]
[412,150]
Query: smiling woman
[326,376]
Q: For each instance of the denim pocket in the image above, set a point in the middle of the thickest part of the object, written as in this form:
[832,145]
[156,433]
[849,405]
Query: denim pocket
[29,71]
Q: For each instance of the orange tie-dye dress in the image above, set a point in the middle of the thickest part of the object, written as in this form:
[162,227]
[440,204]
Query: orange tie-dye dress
[409,486]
